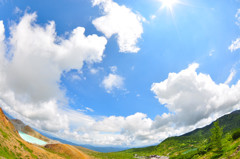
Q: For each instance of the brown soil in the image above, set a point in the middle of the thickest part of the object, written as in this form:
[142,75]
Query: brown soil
[15,146]
[69,150]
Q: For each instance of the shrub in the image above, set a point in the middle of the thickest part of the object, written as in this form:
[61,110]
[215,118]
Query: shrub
[236,135]
[217,155]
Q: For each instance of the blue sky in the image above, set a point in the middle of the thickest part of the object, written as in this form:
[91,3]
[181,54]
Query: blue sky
[189,41]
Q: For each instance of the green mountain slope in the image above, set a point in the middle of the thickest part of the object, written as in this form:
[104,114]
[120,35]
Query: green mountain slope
[196,138]
[194,144]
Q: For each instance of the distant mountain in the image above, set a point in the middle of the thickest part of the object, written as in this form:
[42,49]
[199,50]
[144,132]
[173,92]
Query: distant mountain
[104,149]
[94,148]
[20,126]
[195,144]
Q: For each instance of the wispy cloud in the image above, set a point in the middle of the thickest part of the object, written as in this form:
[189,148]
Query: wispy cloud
[230,77]
[89,109]
[236,44]
[152,17]
[85,109]
[211,52]
[113,69]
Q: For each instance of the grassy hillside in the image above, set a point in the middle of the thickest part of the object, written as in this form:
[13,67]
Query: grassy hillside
[195,144]
[199,137]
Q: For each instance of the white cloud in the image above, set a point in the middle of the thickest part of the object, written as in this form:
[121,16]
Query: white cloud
[194,99]
[153,17]
[112,81]
[230,77]
[30,85]
[122,21]
[32,57]
[30,90]
[236,44]
[180,92]
[93,70]
[2,43]
[17,10]
[237,15]
[86,109]
[29,81]
[113,69]
[89,109]
[96,70]
[211,52]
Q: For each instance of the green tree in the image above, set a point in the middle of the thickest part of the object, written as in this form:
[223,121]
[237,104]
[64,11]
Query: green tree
[216,137]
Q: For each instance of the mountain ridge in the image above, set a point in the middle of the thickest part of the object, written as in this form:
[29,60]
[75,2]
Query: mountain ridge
[194,144]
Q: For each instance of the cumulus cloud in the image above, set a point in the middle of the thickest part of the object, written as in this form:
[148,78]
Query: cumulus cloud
[121,21]
[194,99]
[30,74]
[119,130]
[236,44]
[29,79]
[112,81]
[2,44]
[34,50]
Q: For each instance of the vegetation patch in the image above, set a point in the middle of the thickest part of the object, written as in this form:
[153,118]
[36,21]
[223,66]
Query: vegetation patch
[236,134]
[4,152]
[25,147]
[4,134]
[213,141]
[188,151]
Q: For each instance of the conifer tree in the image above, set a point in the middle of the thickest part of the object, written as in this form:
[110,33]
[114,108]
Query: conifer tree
[216,137]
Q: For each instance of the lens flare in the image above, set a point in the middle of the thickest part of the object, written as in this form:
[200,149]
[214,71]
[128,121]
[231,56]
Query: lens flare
[168,3]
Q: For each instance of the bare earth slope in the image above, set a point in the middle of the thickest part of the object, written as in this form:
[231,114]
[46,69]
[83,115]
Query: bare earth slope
[20,126]
[69,150]
[13,146]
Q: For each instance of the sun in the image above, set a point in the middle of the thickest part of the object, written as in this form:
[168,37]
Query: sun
[168,4]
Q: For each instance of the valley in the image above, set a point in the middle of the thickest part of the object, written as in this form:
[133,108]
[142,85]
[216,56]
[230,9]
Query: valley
[21,141]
